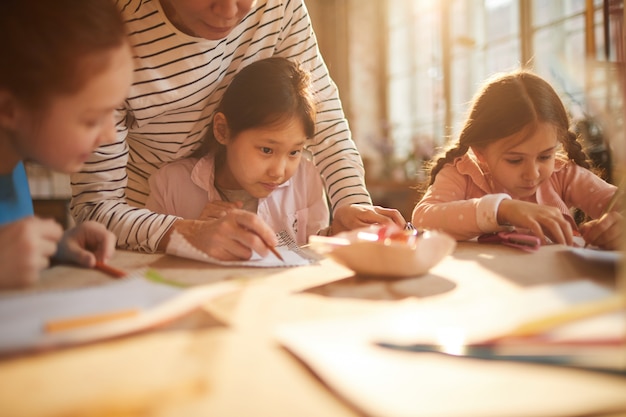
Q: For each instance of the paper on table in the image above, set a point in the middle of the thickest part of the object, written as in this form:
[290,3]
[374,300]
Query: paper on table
[23,317]
[391,383]
[476,322]
[591,254]
[288,249]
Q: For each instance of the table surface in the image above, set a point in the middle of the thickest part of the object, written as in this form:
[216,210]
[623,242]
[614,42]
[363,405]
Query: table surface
[224,360]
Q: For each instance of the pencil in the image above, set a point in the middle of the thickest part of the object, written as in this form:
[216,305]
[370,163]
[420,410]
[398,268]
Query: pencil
[275,252]
[576,312]
[88,320]
[107,269]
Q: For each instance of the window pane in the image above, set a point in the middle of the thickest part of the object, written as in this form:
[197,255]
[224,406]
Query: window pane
[501,19]
[549,11]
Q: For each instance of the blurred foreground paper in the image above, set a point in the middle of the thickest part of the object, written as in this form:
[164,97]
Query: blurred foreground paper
[23,317]
[393,383]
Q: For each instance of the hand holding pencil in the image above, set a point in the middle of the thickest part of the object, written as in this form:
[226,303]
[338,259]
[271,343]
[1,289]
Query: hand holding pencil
[86,244]
[605,232]
[234,236]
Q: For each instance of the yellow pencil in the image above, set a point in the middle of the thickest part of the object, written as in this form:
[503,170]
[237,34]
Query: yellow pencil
[88,320]
[577,312]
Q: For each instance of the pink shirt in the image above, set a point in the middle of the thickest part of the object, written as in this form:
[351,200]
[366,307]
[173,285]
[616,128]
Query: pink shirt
[462,203]
[298,206]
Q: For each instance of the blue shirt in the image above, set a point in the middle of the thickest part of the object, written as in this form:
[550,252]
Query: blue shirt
[15,199]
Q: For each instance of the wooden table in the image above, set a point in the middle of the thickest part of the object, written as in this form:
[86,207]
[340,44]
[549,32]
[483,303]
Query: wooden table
[227,363]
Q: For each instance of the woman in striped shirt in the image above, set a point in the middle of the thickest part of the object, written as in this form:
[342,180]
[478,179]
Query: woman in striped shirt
[186,53]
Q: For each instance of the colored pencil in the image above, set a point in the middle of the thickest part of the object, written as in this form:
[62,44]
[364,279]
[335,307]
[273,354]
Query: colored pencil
[275,252]
[107,269]
[87,320]
[574,313]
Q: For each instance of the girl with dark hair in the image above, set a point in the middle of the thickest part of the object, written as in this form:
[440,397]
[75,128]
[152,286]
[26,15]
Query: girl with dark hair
[252,162]
[517,164]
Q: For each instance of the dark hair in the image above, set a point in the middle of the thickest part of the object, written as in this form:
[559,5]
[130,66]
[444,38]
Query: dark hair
[45,44]
[263,93]
[507,104]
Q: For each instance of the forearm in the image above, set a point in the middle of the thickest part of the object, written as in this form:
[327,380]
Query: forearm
[341,168]
[98,193]
[334,152]
[462,219]
[135,229]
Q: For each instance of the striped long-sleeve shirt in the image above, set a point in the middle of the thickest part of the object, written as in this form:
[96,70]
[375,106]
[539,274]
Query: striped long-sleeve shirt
[178,82]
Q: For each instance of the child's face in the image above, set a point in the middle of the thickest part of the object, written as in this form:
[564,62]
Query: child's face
[64,135]
[260,159]
[521,168]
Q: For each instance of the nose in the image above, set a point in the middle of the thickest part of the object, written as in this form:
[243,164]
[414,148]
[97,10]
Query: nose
[278,168]
[531,171]
[108,134]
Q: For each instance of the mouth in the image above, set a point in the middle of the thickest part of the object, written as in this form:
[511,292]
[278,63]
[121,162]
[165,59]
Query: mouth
[219,31]
[270,186]
[528,188]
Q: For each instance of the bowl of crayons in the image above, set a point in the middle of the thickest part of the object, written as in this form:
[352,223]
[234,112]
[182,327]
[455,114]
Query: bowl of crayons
[386,251]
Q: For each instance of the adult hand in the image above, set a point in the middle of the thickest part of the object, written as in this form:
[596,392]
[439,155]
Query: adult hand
[26,246]
[545,222]
[218,208]
[605,232]
[353,216]
[86,243]
[233,236]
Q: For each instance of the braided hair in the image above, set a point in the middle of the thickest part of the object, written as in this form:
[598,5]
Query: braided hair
[507,104]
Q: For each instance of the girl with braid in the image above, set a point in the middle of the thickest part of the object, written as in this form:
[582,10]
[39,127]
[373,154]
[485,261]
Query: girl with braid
[517,165]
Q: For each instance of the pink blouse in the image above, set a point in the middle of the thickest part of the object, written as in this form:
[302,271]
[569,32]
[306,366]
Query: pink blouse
[462,202]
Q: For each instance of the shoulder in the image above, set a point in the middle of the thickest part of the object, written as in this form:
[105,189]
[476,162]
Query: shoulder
[461,166]
[570,169]
[307,174]
[135,8]
[175,170]
[568,175]
[463,172]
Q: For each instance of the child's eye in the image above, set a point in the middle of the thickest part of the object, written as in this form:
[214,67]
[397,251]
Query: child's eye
[266,150]
[546,157]
[295,153]
[514,161]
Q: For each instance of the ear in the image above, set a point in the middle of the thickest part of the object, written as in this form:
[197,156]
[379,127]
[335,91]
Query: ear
[8,110]
[220,128]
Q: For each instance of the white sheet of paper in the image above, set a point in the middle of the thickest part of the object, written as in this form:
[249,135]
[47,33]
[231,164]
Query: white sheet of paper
[609,256]
[23,317]
[179,246]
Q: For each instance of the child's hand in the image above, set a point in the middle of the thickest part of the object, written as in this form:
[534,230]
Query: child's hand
[605,232]
[26,247]
[231,237]
[542,221]
[353,216]
[86,243]
[218,208]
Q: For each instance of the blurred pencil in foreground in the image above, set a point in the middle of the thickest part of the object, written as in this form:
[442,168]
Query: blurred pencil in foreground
[111,271]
